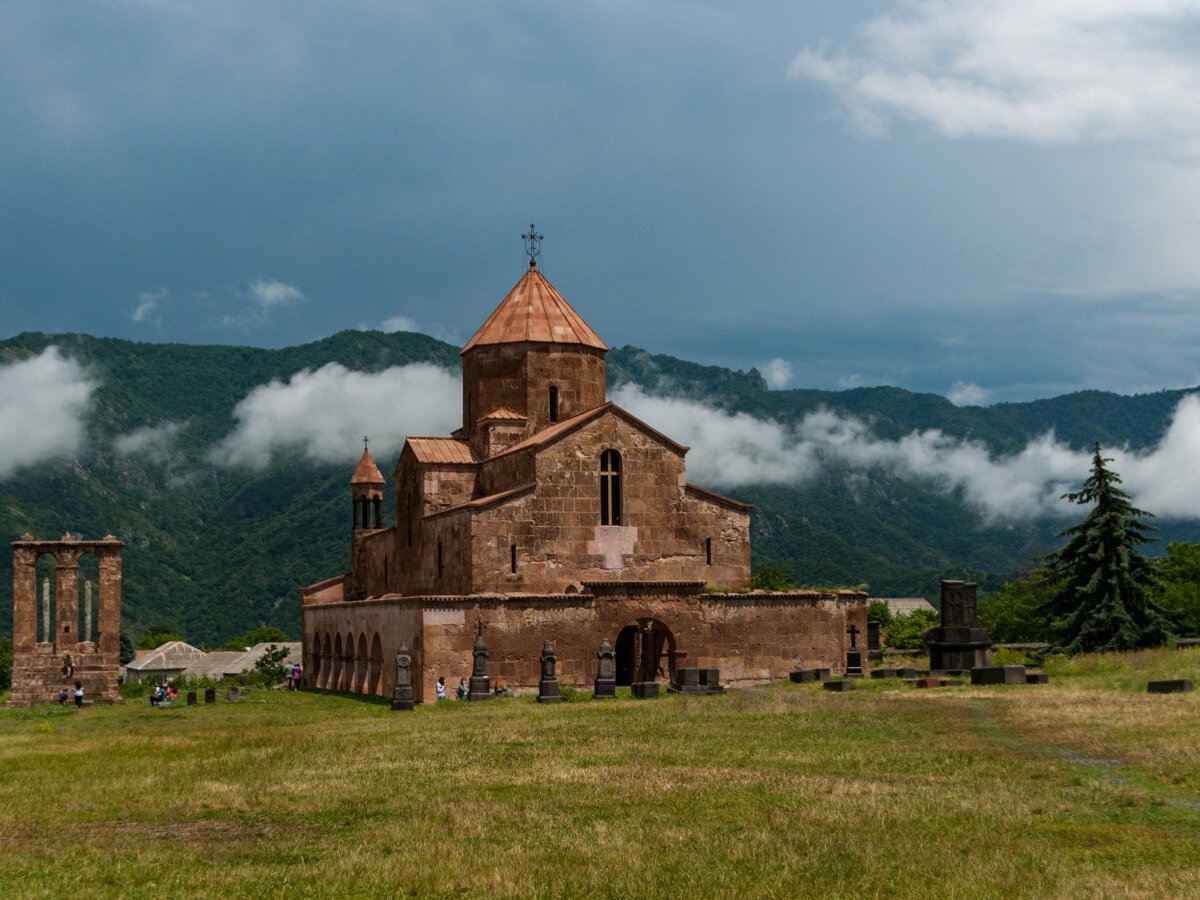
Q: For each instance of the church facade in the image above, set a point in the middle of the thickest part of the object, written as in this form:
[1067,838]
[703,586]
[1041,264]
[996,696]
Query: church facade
[553,514]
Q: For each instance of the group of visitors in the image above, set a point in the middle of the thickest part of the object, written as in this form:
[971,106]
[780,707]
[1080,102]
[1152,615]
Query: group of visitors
[77,693]
[500,690]
[163,693]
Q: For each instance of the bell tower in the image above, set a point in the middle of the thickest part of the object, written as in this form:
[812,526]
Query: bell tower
[366,495]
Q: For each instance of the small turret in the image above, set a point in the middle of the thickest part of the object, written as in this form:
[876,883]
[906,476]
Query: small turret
[366,491]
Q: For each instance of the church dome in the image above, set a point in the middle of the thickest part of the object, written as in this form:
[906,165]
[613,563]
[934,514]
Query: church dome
[535,312]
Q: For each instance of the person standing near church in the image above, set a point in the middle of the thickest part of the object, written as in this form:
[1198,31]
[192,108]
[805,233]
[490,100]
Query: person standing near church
[79,693]
[441,687]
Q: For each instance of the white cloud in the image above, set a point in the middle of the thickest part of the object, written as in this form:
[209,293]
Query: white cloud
[44,402]
[966,393]
[262,297]
[272,293]
[734,449]
[398,323]
[147,304]
[323,414]
[1059,72]
[154,441]
[778,374]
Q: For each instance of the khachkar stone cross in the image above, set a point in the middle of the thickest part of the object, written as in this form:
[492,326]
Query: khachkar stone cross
[533,243]
[548,691]
[481,685]
[402,697]
[853,656]
[606,672]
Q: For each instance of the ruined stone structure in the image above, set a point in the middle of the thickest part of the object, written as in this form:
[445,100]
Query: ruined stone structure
[68,651]
[552,514]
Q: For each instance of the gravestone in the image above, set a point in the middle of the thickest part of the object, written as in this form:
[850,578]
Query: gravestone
[548,690]
[802,675]
[644,690]
[402,696]
[998,675]
[233,695]
[951,682]
[822,674]
[244,679]
[1170,686]
[210,695]
[885,673]
[481,685]
[710,681]
[606,672]
[874,648]
[1037,678]
[853,656]
[926,682]
[686,681]
[907,672]
[191,698]
[838,684]
[958,644]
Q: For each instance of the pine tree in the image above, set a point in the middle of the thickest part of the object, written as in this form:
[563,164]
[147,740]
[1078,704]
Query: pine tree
[1105,600]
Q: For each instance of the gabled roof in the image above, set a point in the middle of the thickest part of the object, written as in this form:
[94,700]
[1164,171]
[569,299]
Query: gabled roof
[535,311]
[171,655]
[719,499]
[442,451]
[504,414]
[366,472]
[565,427]
[489,500]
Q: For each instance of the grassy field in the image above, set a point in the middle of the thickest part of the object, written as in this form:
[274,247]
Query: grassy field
[1085,787]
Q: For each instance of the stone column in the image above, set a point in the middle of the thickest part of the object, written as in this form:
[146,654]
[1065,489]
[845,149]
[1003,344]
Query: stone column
[24,599]
[108,624]
[87,612]
[47,625]
[66,616]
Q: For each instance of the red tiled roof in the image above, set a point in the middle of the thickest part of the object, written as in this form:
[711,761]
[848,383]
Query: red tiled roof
[503,414]
[366,472]
[535,311]
[445,451]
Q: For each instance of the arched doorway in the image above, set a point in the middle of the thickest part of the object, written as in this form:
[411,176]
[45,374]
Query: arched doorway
[644,651]
[376,685]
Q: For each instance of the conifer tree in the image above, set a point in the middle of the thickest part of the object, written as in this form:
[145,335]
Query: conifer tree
[1104,599]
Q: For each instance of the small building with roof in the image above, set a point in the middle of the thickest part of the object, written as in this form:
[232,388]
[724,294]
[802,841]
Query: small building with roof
[164,663]
[553,514]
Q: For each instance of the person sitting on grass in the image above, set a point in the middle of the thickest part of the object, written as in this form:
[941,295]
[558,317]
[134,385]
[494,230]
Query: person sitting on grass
[62,698]
[441,687]
[501,689]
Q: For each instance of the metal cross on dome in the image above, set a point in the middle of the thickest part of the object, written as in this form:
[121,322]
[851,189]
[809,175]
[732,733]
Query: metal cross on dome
[365,440]
[533,243]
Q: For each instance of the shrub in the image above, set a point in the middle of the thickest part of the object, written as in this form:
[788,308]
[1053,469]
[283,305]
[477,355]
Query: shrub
[907,631]
[770,577]
[262,635]
[6,653]
[270,670]
[155,636]
[877,611]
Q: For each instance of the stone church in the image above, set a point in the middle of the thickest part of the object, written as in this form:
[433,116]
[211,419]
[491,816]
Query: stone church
[553,514]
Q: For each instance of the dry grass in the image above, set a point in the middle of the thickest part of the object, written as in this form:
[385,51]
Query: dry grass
[779,791]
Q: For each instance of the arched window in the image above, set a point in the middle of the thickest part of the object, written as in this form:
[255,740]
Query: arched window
[553,403]
[610,488]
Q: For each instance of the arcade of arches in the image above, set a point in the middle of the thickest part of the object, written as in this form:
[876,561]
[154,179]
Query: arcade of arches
[552,514]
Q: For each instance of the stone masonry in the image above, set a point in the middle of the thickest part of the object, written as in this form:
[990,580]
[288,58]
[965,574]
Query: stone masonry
[42,669]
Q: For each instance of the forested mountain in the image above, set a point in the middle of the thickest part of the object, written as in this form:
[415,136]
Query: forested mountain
[212,551]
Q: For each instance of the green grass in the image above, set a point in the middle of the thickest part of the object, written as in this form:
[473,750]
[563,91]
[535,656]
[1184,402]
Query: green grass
[1083,787]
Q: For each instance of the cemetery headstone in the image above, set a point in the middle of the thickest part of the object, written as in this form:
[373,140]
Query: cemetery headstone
[927,682]
[853,655]
[1037,678]
[998,675]
[1170,686]
[885,673]
[822,674]
[951,682]
[233,695]
[802,675]
[907,672]
[548,690]
[191,698]
[874,648]
[402,695]
[959,643]
[838,684]
[710,681]
[210,695]
[606,672]
[481,685]
[686,681]
[644,690]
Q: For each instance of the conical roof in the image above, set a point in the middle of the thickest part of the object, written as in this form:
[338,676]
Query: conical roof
[366,472]
[535,311]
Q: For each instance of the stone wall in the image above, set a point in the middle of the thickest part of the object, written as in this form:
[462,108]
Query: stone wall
[750,637]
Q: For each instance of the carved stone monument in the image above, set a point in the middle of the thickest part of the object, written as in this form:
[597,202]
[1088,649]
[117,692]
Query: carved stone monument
[481,685]
[67,652]
[606,672]
[548,690]
[402,696]
[958,644]
[854,667]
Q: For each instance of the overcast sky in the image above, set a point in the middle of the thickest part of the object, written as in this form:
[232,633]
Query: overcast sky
[992,200]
